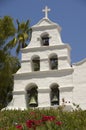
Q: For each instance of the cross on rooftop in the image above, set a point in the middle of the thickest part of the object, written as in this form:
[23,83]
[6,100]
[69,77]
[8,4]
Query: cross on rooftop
[46,10]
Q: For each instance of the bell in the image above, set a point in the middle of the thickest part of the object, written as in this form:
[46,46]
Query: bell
[33,102]
[54,100]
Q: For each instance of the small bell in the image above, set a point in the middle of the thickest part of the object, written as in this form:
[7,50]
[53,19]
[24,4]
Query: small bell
[33,102]
[54,100]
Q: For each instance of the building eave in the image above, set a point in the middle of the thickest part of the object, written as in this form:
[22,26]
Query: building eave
[49,25]
[26,50]
[38,74]
[80,62]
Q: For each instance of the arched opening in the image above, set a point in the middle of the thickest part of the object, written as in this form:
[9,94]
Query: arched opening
[32,95]
[36,63]
[54,94]
[45,39]
[53,62]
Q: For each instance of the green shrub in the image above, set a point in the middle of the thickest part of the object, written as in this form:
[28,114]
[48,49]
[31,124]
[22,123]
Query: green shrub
[52,119]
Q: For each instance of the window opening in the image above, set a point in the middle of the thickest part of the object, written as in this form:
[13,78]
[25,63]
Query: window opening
[36,64]
[32,95]
[53,62]
[54,95]
[45,41]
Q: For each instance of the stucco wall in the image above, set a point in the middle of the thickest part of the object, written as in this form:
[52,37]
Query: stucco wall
[44,53]
[79,81]
[71,80]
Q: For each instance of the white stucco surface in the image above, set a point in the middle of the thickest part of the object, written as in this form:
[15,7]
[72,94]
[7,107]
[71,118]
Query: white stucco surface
[70,79]
[79,81]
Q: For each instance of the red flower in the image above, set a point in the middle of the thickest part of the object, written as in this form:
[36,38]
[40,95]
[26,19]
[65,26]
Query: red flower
[19,127]
[59,123]
[30,123]
[38,122]
[48,118]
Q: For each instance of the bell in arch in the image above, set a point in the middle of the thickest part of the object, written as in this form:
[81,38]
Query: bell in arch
[54,100]
[32,102]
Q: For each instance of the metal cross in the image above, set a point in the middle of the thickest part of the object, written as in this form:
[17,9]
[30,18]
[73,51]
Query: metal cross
[46,10]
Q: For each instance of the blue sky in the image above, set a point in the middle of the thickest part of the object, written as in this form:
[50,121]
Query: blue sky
[69,14]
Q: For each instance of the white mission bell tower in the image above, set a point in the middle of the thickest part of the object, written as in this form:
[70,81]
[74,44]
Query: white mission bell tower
[45,76]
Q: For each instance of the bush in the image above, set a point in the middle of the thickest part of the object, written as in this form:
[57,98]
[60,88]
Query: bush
[52,119]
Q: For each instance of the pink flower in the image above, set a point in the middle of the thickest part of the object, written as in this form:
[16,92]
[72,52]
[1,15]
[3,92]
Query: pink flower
[19,127]
[59,123]
[52,118]
[32,113]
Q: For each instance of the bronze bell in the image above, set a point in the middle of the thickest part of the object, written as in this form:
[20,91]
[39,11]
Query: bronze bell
[32,102]
[54,99]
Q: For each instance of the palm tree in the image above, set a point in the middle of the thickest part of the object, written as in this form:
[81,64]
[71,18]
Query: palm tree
[23,34]
[10,37]
[7,30]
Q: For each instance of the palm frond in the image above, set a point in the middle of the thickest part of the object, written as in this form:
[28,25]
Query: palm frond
[10,44]
[18,48]
[18,24]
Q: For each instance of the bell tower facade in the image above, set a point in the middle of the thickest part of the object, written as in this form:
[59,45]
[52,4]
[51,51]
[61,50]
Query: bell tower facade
[45,76]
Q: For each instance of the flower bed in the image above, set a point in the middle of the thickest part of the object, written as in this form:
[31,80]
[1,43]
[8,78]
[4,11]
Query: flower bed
[53,119]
